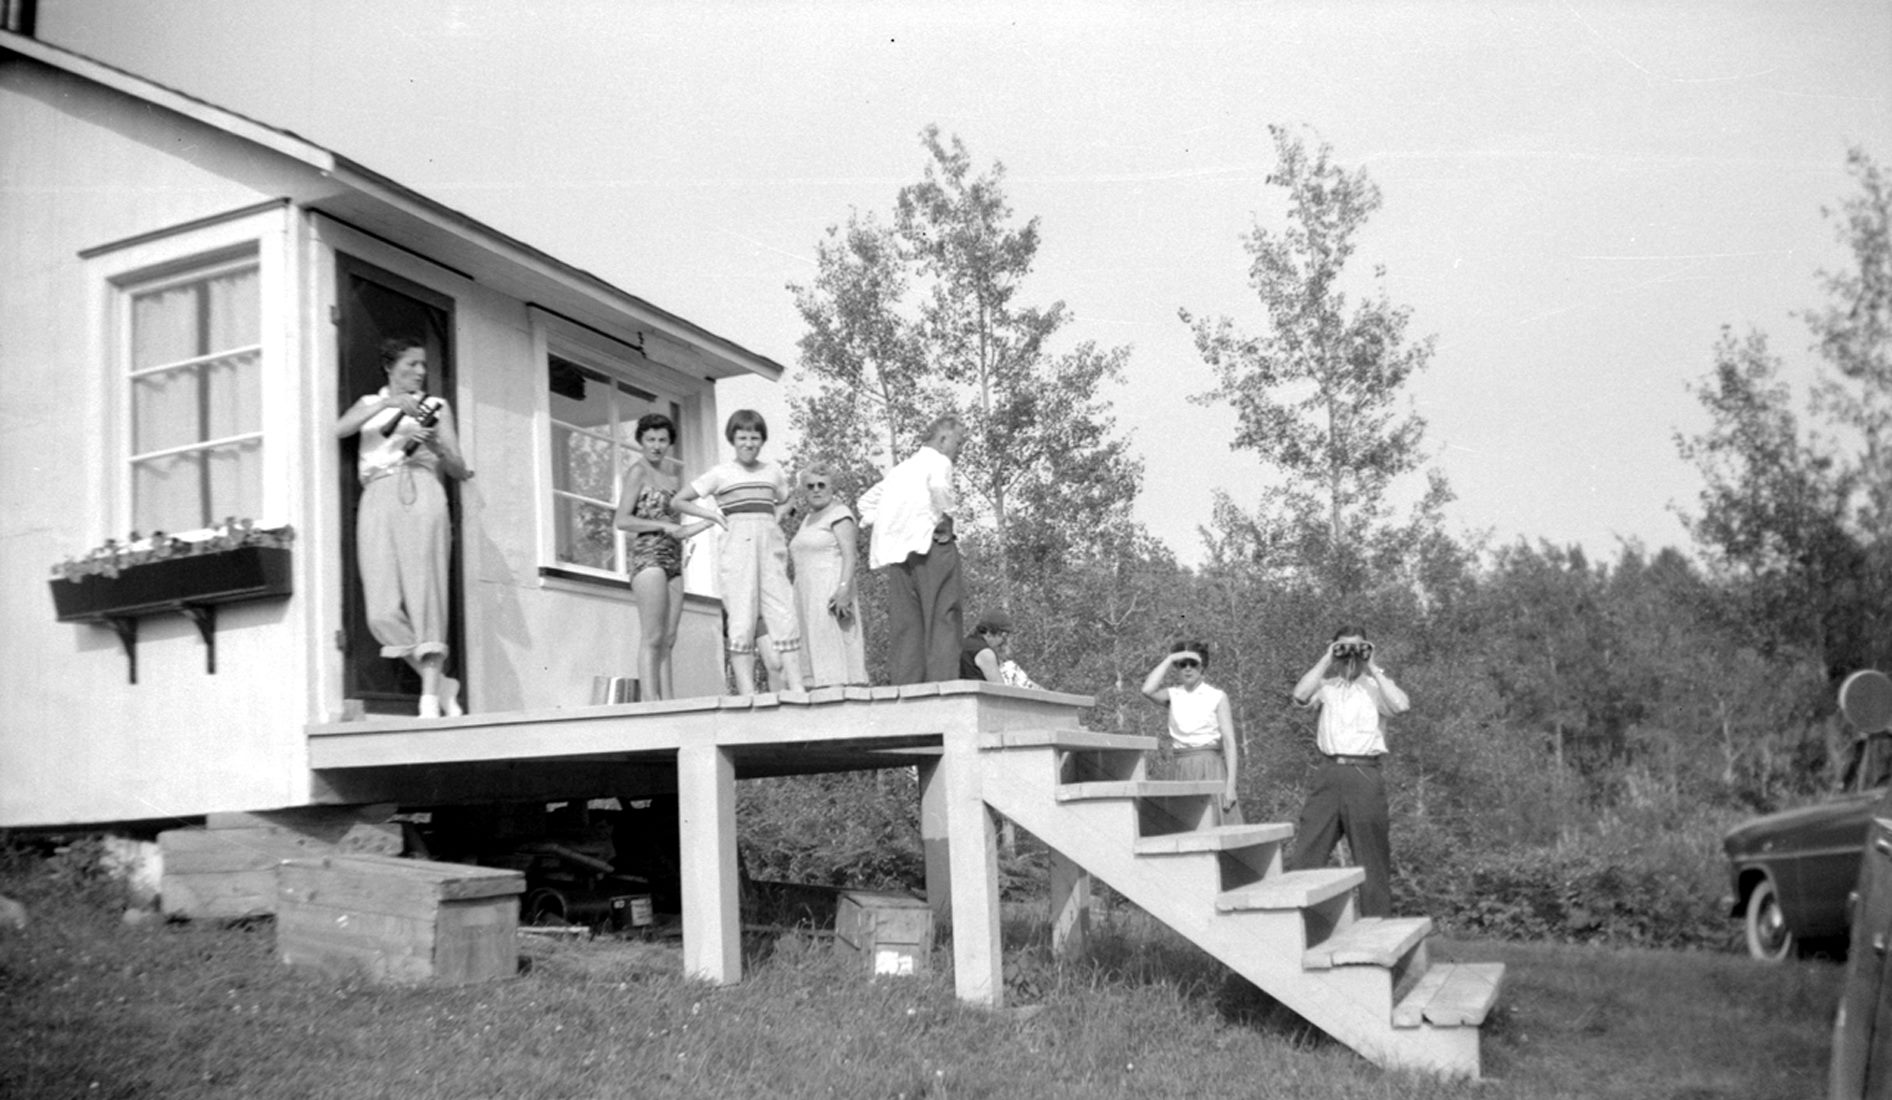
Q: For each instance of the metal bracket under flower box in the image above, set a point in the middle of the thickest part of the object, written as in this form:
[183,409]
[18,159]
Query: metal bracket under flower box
[194,585]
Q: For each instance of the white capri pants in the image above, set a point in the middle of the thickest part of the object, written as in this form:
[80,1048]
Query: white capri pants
[401,543]
[753,572]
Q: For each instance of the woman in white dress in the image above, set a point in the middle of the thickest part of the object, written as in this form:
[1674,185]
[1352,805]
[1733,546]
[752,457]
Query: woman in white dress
[826,551]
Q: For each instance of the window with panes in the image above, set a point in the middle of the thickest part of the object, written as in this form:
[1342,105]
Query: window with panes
[195,391]
[594,415]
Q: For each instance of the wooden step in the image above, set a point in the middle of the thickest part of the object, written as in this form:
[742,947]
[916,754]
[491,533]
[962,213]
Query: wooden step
[1067,740]
[1451,995]
[1292,890]
[1369,941]
[1140,788]
[1220,838]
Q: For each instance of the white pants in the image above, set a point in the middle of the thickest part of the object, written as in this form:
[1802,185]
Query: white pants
[753,573]
[401,541]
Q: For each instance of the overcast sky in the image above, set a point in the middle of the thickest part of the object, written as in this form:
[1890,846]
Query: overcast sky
[1576,195]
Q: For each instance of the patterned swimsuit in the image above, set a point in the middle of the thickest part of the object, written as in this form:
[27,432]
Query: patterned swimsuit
[655,549]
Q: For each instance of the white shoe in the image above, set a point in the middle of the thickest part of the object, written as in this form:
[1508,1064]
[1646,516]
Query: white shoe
[430,706]
[450,697]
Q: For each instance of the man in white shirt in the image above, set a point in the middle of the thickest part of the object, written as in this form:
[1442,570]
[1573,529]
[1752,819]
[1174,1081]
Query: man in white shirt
[1349,794]
[910,515]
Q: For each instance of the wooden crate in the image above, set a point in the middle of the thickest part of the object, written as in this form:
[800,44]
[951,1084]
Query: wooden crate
[398,920]
[885,933]
[227,869]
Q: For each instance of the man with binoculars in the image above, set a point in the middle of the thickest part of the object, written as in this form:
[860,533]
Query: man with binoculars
[1349,794]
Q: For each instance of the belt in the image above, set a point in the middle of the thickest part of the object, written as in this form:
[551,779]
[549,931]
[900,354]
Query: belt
[1362,761]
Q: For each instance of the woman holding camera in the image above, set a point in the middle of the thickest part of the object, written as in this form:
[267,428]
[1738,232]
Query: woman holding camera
[401,528]
[1201,726]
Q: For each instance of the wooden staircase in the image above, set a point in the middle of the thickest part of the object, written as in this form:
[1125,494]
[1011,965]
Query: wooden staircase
[1295,934]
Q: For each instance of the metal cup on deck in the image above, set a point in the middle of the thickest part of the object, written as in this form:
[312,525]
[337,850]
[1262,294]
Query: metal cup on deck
[606,690]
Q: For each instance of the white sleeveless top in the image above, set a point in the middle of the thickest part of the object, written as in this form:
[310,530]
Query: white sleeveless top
[380,455]
[1192,717]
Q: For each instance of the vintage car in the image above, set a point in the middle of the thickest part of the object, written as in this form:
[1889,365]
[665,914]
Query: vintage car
[1793,871]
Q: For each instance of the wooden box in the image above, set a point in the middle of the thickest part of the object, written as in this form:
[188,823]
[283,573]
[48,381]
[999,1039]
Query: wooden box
[398,920]
[886,933]
[228,868]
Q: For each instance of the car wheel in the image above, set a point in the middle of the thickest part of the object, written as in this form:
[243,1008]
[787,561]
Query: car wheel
[544,907]
[1768,936]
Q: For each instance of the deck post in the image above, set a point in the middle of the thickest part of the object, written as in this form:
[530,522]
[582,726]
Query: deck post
[973,855]
[706,829]
[934,841]
[1070,907]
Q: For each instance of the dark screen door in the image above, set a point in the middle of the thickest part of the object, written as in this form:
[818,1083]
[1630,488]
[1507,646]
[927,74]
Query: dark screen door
[375,305]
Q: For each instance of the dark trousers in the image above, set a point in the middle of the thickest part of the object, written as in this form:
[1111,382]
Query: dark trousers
[1349,800]
[925,616]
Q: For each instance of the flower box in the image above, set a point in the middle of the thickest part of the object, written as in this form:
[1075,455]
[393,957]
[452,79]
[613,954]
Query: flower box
[174,584]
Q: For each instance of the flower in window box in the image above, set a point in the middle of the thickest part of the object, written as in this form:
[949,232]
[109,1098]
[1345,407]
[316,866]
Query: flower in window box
[112,558]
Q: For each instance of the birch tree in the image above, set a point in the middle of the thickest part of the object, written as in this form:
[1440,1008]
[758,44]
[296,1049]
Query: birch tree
[926,315]
[1317,391]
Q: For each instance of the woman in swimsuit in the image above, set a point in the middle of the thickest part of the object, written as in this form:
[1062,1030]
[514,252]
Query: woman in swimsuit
[644,510]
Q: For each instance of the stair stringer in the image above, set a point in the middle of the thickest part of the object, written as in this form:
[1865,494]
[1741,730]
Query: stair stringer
[1353,1004]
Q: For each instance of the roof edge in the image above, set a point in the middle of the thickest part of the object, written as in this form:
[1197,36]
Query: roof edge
[383,189]
[366,181]
[270,137]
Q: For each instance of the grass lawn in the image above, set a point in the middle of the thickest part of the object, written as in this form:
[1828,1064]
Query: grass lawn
[90,1007]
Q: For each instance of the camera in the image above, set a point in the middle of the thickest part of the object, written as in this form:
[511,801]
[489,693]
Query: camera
[1353,650]
[429,416]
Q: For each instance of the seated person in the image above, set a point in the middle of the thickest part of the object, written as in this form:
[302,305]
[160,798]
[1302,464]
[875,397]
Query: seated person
[979,654]
[982,656]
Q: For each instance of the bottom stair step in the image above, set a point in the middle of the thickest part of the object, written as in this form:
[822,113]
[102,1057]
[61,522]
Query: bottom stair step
[1369,941]
[1451,995]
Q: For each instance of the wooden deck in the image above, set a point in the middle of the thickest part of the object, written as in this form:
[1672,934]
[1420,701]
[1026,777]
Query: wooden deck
[980,749]
[699,748]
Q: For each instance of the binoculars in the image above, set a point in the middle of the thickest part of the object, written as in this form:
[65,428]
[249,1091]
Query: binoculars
[1350,650]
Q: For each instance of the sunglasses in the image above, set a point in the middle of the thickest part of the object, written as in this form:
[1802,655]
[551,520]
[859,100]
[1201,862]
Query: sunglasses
[813,486]
[1188,662]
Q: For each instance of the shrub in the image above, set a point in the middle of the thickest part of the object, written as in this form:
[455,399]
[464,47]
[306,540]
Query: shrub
[850,829]
[855,829]
[60,873]
[1570,895]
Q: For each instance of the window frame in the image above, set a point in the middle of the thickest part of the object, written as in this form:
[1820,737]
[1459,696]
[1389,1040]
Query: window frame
[245,260]
[118,272]
[622,365]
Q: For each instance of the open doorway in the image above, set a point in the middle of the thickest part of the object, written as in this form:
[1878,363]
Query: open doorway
[374,305]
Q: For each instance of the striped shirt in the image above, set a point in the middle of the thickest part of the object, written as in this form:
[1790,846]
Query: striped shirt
[738,489]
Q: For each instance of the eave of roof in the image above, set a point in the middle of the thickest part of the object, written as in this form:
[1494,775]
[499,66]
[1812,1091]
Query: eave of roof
[397,198]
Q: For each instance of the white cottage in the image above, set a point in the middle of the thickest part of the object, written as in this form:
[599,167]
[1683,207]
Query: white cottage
[189,300]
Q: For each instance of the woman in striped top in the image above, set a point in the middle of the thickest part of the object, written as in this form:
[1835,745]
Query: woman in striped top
[750,496]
